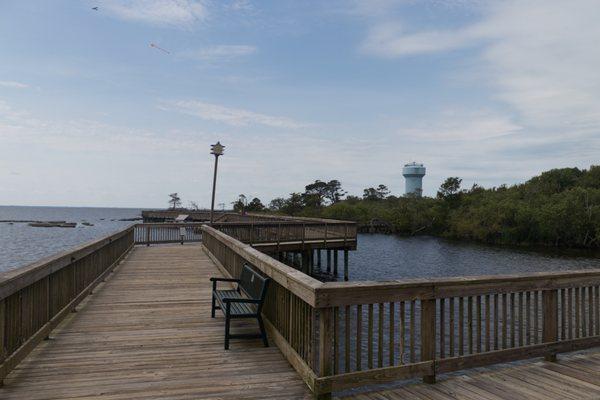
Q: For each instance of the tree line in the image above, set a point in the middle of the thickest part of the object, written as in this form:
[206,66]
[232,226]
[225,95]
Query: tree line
[560,207]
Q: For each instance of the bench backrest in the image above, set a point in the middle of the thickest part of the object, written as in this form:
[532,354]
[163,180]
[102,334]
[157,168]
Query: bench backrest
[253,284]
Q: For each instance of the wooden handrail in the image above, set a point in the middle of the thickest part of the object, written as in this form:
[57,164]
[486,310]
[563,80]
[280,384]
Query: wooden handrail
[442,324]
[16,279]
[297,282]
[35,298]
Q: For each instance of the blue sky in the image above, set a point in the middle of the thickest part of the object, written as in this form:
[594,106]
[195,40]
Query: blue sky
[92,115]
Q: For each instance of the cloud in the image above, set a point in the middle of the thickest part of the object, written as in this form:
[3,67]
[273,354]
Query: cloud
[540,57]
[13,84]
[389,40]
[180,13]
[220,52]
[227,115]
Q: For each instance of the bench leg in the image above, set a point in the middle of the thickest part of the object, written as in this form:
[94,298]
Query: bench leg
[212,309]
[227,320]
[263,333]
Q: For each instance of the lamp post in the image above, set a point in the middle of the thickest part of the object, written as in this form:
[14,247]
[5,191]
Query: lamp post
[217,150]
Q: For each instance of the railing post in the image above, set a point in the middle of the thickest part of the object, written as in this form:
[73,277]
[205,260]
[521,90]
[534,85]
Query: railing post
[345,264]
[147,236]
[325,232]
[325,346]
[2,337]
[550,312]
[303,234]
[278,236]
[428,335]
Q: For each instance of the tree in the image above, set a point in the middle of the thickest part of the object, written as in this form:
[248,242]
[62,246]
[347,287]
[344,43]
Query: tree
[194,206]
[294,204]
[277,204]
[240,204]
[319,192]
[450,188]
[174,201]
[255,205]
[379,193]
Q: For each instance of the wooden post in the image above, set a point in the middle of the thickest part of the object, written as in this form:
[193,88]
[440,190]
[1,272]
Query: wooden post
[550,313]
[325,346]
[335,262]
[47,281]
[2,336]
[305,265]
[147,236]
[319,258]
[428,335]
[328,261]
[345,265]
[278,235]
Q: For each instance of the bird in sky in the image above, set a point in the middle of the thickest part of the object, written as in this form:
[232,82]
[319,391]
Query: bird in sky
[159,48]
[95,8]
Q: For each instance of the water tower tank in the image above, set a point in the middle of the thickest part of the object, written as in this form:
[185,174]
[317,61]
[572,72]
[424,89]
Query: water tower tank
[413,174]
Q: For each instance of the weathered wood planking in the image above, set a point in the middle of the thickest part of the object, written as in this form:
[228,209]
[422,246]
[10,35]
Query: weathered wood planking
[574,377]
[147,333]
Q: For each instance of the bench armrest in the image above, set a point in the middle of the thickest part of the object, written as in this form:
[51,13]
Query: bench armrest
[224,280]
[232,300]
[215,280]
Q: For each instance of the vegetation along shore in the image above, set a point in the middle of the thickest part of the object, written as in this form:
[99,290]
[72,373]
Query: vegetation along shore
[559,208]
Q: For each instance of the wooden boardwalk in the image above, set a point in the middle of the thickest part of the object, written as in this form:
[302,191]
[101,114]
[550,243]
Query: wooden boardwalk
[147,334]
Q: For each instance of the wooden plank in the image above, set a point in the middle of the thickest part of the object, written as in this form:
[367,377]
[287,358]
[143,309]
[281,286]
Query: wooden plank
[372,376]
[520,353]
[442,314]
[550,312]
[359,317]
[451,328]
[428,322]
[391,335]
[370,338]
[380,342]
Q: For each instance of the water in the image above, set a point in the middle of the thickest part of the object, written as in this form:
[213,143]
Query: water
[379,257]
[21,244]
[385,257]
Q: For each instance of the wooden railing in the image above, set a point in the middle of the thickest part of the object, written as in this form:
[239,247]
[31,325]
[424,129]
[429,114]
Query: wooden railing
[286,231]
[289,311]
[250,232]
[35,298]
[341,335]
[167,233]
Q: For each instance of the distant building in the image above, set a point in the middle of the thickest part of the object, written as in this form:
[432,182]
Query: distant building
[413,174]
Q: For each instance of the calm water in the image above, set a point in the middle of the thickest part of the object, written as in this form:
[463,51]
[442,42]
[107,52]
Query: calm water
[379,257]
[21,244]
[383,257]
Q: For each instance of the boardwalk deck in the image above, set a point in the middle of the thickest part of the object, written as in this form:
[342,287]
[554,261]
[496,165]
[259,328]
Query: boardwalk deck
[147,334]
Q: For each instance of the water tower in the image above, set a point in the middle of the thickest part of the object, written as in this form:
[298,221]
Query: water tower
[414,173]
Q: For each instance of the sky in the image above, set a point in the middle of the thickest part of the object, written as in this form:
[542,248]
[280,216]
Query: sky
[91,114]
